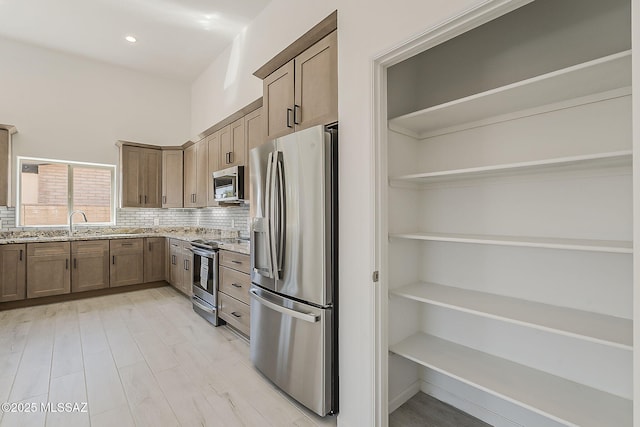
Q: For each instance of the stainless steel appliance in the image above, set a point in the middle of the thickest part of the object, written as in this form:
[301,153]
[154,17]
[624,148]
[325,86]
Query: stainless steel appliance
[294,318]
[205,280]
[228,184]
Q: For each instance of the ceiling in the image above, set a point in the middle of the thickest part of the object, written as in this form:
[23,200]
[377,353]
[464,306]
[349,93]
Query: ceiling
[176,38]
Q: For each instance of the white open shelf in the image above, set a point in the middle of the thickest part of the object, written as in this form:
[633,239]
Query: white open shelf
[571,163]
[554,397]
[612,246]
[594,327]
[600,75]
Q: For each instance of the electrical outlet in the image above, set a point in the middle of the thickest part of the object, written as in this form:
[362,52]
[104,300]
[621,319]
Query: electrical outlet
[0,223]
[156,221]
[233,223]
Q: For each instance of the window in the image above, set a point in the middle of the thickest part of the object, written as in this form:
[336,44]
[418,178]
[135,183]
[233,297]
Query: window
[49,190]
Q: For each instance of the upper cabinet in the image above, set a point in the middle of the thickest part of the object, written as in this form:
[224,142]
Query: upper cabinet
[5,164]
[232,145]
[172,177]
[301,82]
[141,176]
[254,135]
[196,175]
[213,145]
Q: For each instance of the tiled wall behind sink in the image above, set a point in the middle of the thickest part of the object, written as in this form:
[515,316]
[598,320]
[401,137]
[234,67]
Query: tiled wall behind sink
[231,218]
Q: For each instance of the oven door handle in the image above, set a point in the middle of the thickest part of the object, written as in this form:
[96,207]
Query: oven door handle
[204,253]
[307,317]
[202,306]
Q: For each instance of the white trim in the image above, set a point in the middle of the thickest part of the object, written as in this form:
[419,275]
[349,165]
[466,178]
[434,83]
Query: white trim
[405,395]
[456,25]
[635,99]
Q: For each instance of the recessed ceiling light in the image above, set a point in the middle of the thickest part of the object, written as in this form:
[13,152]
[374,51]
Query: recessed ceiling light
[131,39]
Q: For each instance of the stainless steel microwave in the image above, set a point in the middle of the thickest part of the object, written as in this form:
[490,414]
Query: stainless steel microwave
[228,184]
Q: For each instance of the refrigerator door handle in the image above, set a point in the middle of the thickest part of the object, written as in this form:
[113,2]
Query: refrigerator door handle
[281,214]
[267,213]
[307,317]
[271,190]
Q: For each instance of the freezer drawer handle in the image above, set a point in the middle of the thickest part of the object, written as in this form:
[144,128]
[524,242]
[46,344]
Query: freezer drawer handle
[201,306]
[307,317]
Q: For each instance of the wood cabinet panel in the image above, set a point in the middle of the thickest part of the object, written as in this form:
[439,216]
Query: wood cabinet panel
[172,178]
[180,266]
[235,283]
[234,261]
[213,145]
[90,265]
[195,175]
[254,136]
[48,269]
[236,313]
[232,145]
[126,262]
[278,92]
[141,175]
[5,163]
[154,258]
[316,84]
[13,268]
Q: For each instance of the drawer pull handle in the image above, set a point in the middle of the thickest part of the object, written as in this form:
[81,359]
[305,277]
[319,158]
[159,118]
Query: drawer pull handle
[236,262]
[235,285]
[126,244]
[236,314]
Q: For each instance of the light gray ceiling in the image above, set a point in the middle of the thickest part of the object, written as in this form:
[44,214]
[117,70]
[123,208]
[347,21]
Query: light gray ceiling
[176,38]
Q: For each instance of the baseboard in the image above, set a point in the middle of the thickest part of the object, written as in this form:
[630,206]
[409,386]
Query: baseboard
[405,395]
[466,405]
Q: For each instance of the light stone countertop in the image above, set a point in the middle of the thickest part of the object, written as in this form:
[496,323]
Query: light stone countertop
[111,233]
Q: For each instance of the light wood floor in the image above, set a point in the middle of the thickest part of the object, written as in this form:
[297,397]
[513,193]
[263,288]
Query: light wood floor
[141,358]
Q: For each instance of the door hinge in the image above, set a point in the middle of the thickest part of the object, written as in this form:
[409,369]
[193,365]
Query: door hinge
[375,276]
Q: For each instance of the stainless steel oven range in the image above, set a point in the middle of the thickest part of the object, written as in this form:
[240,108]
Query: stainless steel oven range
[205,280]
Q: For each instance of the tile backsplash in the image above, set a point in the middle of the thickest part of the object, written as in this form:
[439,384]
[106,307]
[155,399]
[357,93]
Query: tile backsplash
[231,218]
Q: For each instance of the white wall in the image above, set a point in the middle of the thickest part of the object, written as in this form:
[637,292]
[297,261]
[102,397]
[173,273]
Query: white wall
[365,30]
[228,84]
[71,108]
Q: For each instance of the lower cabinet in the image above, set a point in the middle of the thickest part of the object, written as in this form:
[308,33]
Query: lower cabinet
[90,268]
[48,269]
[233,290]
[127,261]
[180,265]
[154,259]
[13,269]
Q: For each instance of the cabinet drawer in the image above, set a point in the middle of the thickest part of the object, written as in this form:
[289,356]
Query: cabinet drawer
[125,245]
[235,260]
[235,283]
[235,312]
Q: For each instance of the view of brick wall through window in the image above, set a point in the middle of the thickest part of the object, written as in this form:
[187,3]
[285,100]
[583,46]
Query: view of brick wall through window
[44,193]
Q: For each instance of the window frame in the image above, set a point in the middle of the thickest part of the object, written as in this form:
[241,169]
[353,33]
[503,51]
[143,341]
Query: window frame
[70,166]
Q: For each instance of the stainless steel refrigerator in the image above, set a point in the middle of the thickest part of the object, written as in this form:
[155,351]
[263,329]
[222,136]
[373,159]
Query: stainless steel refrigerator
[294,236]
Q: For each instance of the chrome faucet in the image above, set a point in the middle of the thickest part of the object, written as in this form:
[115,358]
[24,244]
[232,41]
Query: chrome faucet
[71,220]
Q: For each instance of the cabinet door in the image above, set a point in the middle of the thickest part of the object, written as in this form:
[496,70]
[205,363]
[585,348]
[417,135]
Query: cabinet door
[90,269]
[126,262]
[187,272]
[213,143]
[5,160]
[172,176]
[176,265]
[254,136]
[154,259]
[202,173]
[232,147]
[316,88]
[278,101]
[131,165]
[152,178]
[13,272]
[48,269]
[190,177]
